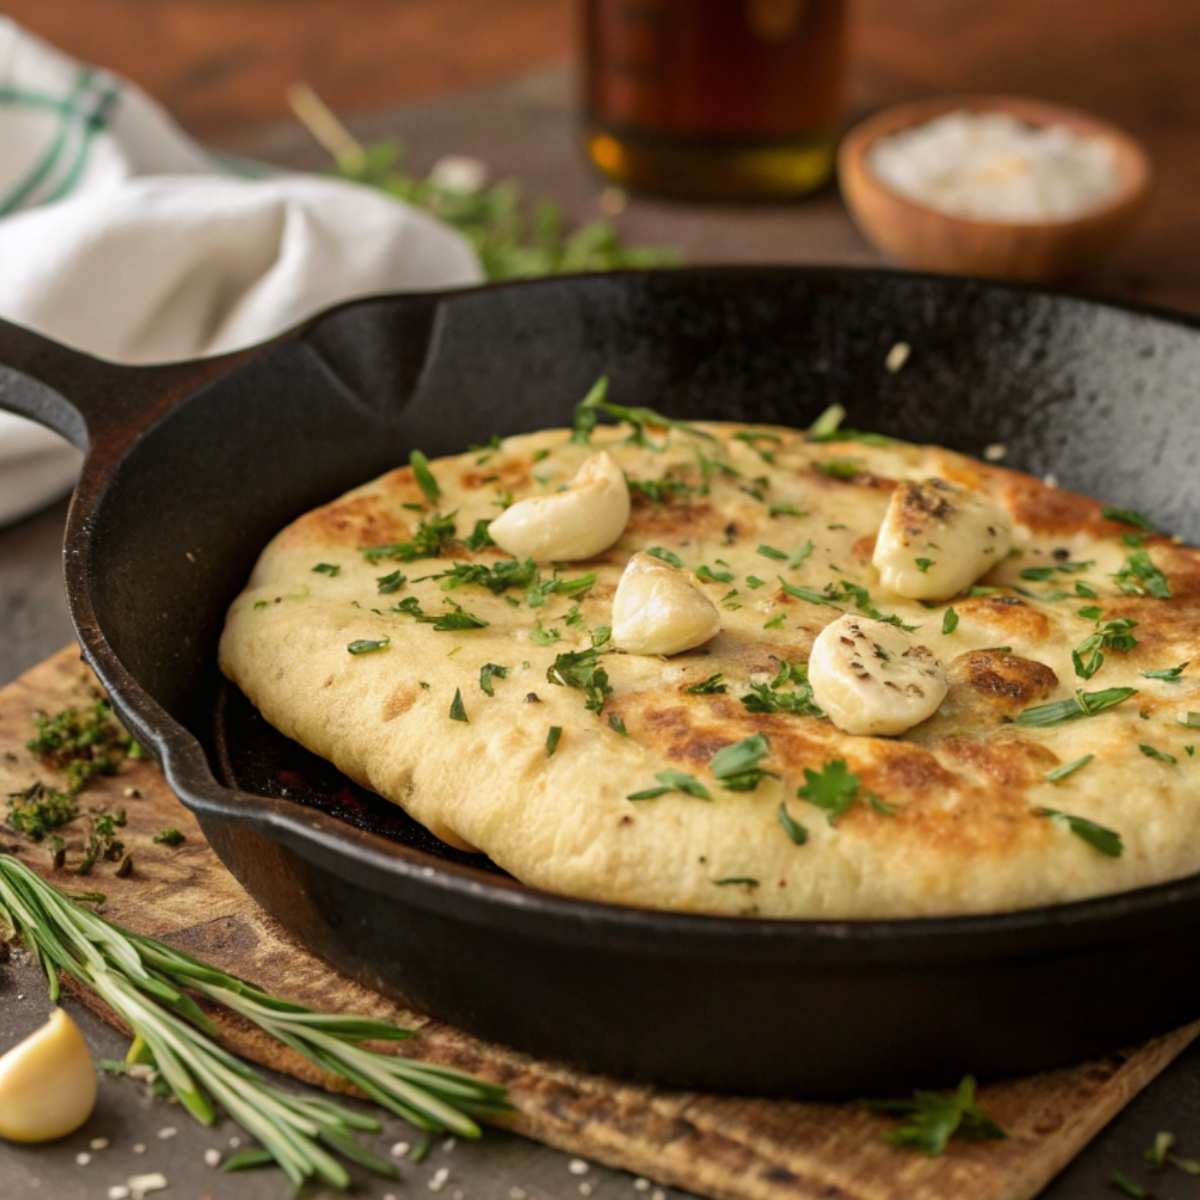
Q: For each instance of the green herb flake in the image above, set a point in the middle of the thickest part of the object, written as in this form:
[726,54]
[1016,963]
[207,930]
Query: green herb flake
[1058,774]
[1140,577]
[487,673]
[544,637]
[1190,719]
[1088,593]
[801,554]
[786,510]
[596,402]
[834,788]
[788,692]
[1128,516]
[330,569]
[753,582]
[707,687]
[933,1118]
[1156,1155]
[737,765]
[617,725]
[581,669]
[772,552]
[790,825]
[170,837]
[432,537]
[673,781]
[949,621]
[1127,1187]
[1107,841]
[841,468]
[1083,704]
[1158,755]
[458,711]
[424,476]
[39,809]
[707,574]
[479,536]
[747,881]
[393,582]
[366,646]
[1088,656]
[667,556]
[775,622]
[1167,674]
[659,491]
[923,564]
[553,737]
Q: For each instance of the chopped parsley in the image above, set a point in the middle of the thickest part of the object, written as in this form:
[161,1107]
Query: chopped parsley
[479,536]
[581,669]
[801,554]
[458,710]
[834,788]
[487,673]
[706,574]
[1158,755]
[1107,841]
[365,646]
[659,491]
[923,564]
[1167,674]
[596,401]
[424,476]
[1190,719]
[673,781]
[507,573]
[544,637]
[667,556]
[790,826]
[392,582]
[752,437]
[737,880]
[553,737]
[457,619]
[1128,516]
[949,621]
[82,743]
[330,569]
[1060,773]
[617,725]
[933,1118]
[1088,593]
[558,586]
[786,510]
[39,809]
[775,622]
[1088,656]
[772,552]
[753,582]
[1083,704]
[706,687]
[430,540]
[736,765]
[1127,1187]
[1140,577]
[840,468]
[600,635]
[778,696]
[170,837]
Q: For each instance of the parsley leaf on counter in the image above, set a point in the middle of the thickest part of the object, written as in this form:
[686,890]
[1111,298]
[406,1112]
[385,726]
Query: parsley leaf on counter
[935,1117]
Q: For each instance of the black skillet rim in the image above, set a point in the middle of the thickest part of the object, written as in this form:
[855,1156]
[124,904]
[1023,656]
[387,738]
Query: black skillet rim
[340,846]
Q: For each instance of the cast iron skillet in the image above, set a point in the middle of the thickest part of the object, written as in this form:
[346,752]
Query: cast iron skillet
[193,467]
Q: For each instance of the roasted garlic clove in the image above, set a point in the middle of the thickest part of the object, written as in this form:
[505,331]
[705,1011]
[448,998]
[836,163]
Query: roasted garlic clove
[658,610]
[47,1083]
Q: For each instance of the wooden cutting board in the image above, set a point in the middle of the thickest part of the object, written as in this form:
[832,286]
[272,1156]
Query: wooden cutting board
[726,1148]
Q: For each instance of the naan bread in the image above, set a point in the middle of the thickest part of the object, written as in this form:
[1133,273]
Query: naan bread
[945,819]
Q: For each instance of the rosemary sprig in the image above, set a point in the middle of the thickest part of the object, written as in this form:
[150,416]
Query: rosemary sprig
[152,988]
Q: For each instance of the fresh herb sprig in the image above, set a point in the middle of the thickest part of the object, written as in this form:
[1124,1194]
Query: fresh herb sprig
[152,988]
[596,401]
[933,1118]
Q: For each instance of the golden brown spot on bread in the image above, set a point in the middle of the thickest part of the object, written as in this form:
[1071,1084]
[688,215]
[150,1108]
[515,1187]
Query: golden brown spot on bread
[1008,613]
[864,479]
[1048,510]
[400,701]
[677,520]
[864,548]
[1010,762]
[359,521]
[510,476]
[1004,679]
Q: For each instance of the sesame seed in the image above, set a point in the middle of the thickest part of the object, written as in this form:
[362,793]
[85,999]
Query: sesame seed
[98,1144]
[83,1158]
[577,1166]
[439,1179]
[1050,480]
[139,1147]
[449,1144]
[118,1191]
[400,1149]
[897,356]
[167,1131]
[995,452]
[141,1185]
[641,1185]
[585,1188]
[212,1157]
[234,1142]
[658,1194]
[517,1193]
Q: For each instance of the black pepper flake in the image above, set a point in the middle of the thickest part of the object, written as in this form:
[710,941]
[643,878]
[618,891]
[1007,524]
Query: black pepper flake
[532,698]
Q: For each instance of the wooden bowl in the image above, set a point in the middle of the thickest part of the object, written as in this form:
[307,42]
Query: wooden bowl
[919,236]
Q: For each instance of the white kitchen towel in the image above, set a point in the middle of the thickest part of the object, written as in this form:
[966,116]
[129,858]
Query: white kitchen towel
[122,237]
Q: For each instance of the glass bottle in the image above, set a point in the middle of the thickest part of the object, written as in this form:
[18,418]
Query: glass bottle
[714,99]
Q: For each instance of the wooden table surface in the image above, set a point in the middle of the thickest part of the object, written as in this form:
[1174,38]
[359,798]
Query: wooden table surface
[222,66]
[400,67]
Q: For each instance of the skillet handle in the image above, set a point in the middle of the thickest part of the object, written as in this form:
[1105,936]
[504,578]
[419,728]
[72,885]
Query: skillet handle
[97,405]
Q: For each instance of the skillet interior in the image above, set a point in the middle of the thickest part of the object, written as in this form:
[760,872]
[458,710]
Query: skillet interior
[1102,397]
